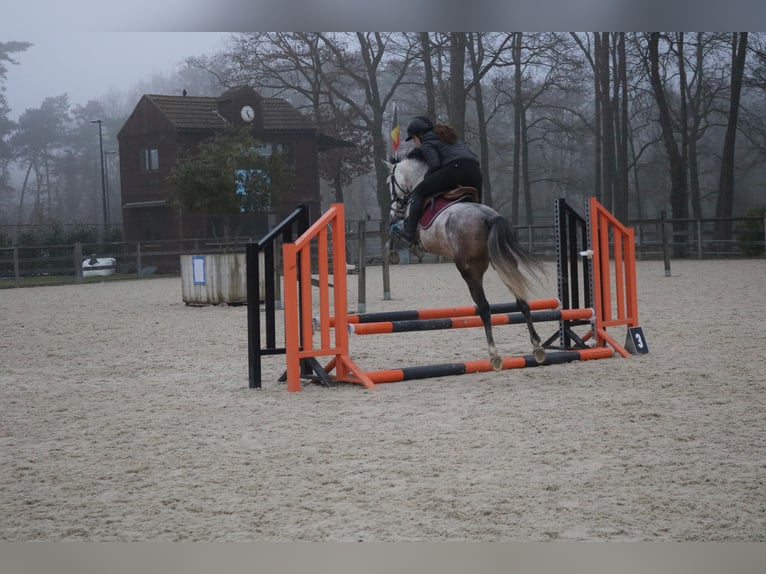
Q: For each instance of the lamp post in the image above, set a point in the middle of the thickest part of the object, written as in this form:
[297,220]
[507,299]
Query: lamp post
[103,173]
[106,173]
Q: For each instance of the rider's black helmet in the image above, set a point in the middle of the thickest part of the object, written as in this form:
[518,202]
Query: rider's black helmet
[418,126]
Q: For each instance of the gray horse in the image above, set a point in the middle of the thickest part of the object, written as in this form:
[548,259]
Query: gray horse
[474,236]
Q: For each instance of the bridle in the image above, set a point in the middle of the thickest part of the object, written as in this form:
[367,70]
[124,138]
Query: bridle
[400,199]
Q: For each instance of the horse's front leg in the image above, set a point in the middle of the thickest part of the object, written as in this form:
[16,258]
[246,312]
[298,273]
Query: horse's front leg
[537,347]
[477,294]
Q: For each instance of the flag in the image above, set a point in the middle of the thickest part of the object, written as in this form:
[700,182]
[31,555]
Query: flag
[395,132]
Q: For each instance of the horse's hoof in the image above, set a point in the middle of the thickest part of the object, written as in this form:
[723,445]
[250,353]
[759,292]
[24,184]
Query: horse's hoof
[539,354]
[496,362]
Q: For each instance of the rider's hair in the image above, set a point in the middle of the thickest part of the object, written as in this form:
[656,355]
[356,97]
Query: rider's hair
[446,133]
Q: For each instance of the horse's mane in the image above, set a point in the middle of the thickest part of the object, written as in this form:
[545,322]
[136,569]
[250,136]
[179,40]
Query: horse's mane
[416,153]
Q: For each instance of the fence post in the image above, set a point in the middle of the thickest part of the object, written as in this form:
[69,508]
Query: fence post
[16,274]
[699,239]
[78,262]
[384,244]
[665,246]
[253,315]
[529,238]
[362,279]
[138,258]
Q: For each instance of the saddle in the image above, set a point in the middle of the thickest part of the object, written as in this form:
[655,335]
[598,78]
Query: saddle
[435,204]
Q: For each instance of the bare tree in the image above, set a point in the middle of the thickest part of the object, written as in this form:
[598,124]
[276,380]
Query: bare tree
[457,89]
[699,90]
[428,73]
[487,53]
[290,65]
[365,58]
[518,112]
[725,205]
[622,128]
[544,75]
[678,184]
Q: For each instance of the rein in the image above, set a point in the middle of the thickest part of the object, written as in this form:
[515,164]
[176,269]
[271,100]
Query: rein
[399,198]
[395,185]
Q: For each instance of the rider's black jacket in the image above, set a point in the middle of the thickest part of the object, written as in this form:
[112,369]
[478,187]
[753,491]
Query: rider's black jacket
[437,153]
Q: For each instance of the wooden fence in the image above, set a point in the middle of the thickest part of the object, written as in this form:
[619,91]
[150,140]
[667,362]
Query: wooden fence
[368,241]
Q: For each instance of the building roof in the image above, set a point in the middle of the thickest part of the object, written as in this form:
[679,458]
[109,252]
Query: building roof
[194,112]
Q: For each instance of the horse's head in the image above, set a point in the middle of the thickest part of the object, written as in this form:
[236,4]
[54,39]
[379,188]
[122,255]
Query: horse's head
[404,174]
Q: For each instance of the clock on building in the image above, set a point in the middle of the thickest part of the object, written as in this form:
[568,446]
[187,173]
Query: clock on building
[247,113]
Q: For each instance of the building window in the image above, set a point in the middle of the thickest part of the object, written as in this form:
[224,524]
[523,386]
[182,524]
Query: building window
[265,149]
[262,149]
[150,159]
[286,150]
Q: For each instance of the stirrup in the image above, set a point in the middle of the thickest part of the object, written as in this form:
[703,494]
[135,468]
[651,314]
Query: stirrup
[398,231]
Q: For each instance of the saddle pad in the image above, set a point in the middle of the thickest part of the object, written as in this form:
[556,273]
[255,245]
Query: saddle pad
[434,207]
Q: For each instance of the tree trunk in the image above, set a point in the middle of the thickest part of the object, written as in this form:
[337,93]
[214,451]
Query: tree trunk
[597,119]
[621,200]
[428,73]
[337,182]
[481,116]
[678,189]
[527,185]
[684,115]
[457,83]
[694,181]
[725,204]
[607,124]
[517,112]
[636,181]
[381,174]
[23,190]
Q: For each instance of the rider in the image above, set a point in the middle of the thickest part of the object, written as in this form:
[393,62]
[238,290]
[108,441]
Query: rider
[450,162]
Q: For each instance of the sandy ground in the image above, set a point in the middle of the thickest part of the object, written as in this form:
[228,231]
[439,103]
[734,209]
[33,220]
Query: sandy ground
[125,416]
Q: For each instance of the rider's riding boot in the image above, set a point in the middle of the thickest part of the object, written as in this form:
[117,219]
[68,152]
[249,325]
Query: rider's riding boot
[399,231]
[407,231]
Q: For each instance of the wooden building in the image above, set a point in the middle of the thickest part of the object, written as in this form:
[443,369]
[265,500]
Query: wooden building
[161,125]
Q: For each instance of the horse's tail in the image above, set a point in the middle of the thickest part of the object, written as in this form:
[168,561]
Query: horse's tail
[508,257]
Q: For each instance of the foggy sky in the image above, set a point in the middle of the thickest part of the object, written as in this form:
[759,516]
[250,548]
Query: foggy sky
[88,47]
[87,65]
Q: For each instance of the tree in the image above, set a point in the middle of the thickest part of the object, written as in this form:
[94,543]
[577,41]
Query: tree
[679,197]
[542,84]
[365,63]
[37,142]
[725,205]
[518,112]
[622,124]
[428,73]
[225,177]
[457,90]
[289,64]
[341,164]
[6,124]
[487,52]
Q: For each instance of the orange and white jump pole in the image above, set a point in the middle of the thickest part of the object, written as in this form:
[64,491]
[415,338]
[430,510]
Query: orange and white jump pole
[614,304]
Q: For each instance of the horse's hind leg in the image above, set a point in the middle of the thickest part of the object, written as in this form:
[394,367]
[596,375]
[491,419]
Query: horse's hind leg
[534,338]
[475,286]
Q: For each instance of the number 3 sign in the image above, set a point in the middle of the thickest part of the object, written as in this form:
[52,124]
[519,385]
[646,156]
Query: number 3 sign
[636,342]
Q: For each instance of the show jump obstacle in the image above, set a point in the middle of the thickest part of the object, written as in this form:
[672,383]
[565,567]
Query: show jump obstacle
[597,290]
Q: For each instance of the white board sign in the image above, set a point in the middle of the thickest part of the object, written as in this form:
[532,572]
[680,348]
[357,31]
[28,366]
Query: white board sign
[198,268]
